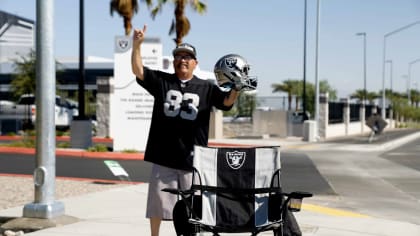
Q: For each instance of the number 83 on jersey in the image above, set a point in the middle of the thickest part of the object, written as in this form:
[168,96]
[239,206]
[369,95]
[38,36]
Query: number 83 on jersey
[185,105]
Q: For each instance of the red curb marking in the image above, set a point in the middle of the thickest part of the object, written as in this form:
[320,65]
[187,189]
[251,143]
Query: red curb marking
[77,179]
[58,138]
[211,144]
[77,153]
[98,155]
[10,138]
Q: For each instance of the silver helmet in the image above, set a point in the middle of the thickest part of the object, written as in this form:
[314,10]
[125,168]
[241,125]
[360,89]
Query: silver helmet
[232,70]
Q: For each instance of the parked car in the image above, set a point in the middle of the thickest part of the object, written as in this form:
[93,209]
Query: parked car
[73,106]
[63,113]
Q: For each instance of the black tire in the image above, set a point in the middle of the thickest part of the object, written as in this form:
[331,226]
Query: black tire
[180,218]
[278,231]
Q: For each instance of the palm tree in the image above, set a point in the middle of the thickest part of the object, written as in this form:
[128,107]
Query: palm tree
[415,98]
[291,87]
[180,25]
[126,9]
[358,94]
[325,87]
[371,96]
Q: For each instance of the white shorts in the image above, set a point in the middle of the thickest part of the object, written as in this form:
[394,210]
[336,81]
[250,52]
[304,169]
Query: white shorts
[160,204]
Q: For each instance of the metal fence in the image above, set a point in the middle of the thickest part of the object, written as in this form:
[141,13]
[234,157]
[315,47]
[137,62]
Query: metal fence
[335,112]
[354,112]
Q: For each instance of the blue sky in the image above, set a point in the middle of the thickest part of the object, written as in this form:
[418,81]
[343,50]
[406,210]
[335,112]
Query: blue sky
[268,33]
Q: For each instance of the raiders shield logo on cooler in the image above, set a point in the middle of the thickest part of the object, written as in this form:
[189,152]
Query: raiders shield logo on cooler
[235,159]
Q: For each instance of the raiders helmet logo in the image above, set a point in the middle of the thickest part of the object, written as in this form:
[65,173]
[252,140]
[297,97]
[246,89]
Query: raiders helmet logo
[235,159]
[231,62]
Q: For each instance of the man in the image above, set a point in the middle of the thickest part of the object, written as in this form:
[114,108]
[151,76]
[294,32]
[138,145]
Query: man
[180,120]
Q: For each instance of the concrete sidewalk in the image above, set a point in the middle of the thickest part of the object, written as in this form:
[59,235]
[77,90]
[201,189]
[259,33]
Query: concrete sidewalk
[121,211]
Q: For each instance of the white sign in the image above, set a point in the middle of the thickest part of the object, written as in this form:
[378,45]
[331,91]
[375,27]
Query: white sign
[131,105]
[116,168]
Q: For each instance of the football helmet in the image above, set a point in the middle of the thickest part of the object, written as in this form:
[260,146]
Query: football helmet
[231,71]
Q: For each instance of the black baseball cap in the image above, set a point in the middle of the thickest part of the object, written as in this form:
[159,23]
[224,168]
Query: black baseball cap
[185,47]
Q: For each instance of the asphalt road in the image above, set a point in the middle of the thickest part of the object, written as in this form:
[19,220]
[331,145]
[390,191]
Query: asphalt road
[383,183]
[298,171]
[75,167]
[407,155]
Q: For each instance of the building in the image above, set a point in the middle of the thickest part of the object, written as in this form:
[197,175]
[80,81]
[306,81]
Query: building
[17,39]
[17,36]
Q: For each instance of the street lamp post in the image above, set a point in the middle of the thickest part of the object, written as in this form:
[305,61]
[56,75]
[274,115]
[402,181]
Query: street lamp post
[409,78]
[317,68]
[384,58]
[304,63]
[82,73]
[390,73]
[81,126]
[364,65]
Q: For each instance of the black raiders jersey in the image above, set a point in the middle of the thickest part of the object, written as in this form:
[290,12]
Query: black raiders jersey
[180,118]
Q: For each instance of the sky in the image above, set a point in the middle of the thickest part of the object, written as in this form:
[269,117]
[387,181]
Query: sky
[269,34]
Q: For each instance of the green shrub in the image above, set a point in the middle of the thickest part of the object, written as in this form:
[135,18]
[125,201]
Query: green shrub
[27,143]
[63,145]
[98,148]
[130,151]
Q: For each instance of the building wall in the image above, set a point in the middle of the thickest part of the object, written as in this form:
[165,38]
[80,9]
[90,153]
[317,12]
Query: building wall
[17,36]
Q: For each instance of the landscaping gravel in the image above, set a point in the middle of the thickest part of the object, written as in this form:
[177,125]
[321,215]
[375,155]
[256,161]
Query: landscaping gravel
[19,190]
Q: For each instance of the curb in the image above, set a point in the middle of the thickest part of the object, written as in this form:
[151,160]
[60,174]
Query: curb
[381,147]
[77,153]
[67,152]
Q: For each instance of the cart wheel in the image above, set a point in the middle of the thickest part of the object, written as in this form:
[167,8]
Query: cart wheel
[180,220]
[278,231]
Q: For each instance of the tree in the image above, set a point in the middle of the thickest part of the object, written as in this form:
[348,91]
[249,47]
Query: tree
[324,87]
[358,94]
[126,9]
[24,79]
[291,87]
[245,104]
[415,98]
[180,24]
[371,96]
[294,87]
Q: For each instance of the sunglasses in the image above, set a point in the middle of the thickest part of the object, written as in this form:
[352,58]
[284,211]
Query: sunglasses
[185,57]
